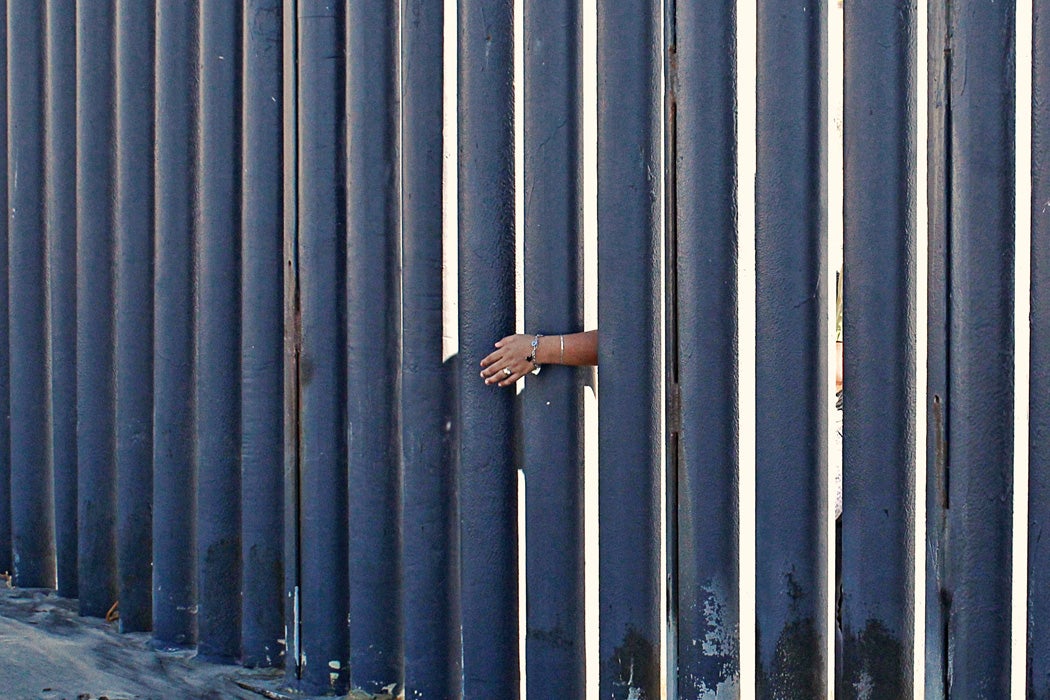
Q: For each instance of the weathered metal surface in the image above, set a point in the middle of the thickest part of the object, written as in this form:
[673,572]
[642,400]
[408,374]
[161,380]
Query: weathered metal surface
[702,81]
[976,581]
[262,288]
[1038,656]
[430,593]
[174,487]
[193,185]
[552,406]
[323,587]
[133,305]
[32,518]
[6,554]
[373,343]
[488,498]
[60,146]
[217,377]
[629,218]
[791,384]
[876,604]
[96,491]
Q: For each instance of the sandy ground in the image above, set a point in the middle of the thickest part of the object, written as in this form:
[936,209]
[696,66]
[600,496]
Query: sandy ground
[48,652]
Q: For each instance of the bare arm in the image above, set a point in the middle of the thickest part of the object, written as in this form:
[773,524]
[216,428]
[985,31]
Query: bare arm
[838,366]
[511,354]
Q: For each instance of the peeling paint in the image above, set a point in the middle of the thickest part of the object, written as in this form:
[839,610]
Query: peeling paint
[722,637]
[728,690]
[712,669]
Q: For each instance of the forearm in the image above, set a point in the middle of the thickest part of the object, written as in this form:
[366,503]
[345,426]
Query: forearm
[511,358]
[568,349]
[838,366]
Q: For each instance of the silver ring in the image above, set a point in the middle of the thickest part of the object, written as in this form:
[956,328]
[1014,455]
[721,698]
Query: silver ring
[506,371]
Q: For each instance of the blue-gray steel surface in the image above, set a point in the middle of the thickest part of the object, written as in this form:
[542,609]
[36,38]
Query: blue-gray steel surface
[96,490]
[629,221]
[6,559]
[488,482]
[552,406]
[703,84]
[980,249]
[133,303]
[214,373]
[32,517]
[174,482]
[60,146]
[218,332]
[1038,656]
[324,598]
[790,401]
[373,343]
[429,574]
[262,326]
[936,359]
[879,347]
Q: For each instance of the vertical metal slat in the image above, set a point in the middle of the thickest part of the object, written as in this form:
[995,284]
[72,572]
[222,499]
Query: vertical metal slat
[629,422]
[791,408]
[373,339]
[1038,653]
[95,318]
[133,304]
[261,351]
[879,348]
[704,93]
[430,613]
[61,207]
[487,477]
[6,558]
[217,333]
[324,598]
[552,406]
[174,478]
[32,517]
[977,585]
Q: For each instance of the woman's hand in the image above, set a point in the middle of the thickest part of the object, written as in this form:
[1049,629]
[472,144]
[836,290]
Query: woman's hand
[509,362]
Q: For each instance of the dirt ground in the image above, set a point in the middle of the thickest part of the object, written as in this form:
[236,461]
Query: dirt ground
[48,652]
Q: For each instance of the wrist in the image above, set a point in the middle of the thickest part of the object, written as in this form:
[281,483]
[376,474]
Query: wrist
[547,351]
[534,351]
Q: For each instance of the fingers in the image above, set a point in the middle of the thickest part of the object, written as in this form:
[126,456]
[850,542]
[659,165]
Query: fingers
[506,379]
[500,373]
[506,364]
[504,372]
[494,356]
[499,352]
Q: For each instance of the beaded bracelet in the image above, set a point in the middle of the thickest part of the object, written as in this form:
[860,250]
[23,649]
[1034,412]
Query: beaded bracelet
[532,355]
